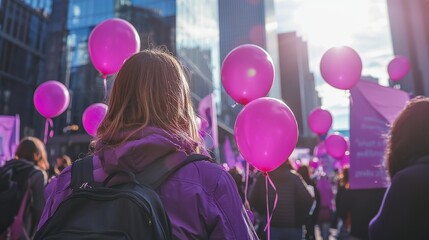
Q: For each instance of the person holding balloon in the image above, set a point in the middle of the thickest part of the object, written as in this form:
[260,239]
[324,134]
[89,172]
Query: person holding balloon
[294,202]
[149,116]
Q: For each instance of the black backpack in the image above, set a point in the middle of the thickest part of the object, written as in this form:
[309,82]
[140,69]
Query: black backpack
[127,211]
[14,177]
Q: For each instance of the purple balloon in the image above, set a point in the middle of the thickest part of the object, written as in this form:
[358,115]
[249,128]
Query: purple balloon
[320,121]
[266,133]
[336,145]
[93,116]
[341,67]
[398,68]
[247,73]
[111,42]
[320,150]
[51,98]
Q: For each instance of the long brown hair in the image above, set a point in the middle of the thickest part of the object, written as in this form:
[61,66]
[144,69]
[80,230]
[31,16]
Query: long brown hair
[149,90]
[32,149]
[408,138]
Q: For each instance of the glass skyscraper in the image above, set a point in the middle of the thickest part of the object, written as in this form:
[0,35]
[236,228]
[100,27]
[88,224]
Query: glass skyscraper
[23,28]
[187,28]
[246,22]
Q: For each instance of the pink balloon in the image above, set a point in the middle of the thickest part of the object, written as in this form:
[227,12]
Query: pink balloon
[314,163]
[398,68]
[93,116]
[51,98]
[320,121]
[266,133]
[336,145]
[345,160]
[111,42]
[247,73]
[341,67]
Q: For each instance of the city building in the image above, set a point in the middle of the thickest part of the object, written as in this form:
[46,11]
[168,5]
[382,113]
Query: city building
[187,28]
[245,22]
[23,33]
[409,24]
[297,84]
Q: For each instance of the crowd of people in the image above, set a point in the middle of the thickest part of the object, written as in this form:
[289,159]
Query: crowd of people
[150,117]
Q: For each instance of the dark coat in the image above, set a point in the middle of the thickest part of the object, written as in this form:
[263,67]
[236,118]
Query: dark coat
[294,200]
[405,208]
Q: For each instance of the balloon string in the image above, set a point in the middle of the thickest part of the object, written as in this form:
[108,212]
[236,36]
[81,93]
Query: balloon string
[105,87]
[51,124]
[48,123]
[269,217]
[246,185]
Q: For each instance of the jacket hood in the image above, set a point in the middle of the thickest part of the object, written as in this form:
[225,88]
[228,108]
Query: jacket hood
[143,148]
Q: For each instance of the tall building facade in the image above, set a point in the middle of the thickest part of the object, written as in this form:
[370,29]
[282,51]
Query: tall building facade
[23,32]
[409,24]
[187,28]
[297,83]
[245,22]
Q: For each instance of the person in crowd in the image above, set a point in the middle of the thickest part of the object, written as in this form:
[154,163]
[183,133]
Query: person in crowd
[238,178]
[294,202]
[342,204]
[150,116]
[304,171]
[327,209]
[404,210]
[63,161]
[28,171]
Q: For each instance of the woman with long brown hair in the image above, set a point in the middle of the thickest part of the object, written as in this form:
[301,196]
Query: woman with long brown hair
[25,202]
[405,210]
[150,116]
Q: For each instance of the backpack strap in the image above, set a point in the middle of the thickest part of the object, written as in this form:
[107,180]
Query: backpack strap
[81,173]
[155,174]
[16,229]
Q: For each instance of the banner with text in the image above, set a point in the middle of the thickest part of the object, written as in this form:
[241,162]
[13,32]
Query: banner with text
[372,109]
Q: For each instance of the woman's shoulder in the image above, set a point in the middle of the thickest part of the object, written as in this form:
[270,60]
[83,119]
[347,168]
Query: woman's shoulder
[208,175]
[415,175]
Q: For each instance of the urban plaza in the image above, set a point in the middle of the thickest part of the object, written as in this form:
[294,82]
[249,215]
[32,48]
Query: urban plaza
[214,119]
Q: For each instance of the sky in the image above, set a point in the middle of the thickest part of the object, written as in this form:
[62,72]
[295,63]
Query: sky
[360,24]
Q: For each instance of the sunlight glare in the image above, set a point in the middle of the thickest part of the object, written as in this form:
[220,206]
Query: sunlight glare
[332,22]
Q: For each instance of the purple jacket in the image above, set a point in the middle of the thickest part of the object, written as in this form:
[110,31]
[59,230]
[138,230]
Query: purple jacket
[201,198]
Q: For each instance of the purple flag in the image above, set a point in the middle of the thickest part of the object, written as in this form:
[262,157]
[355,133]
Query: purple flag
[229,153]
[240,162]
[208,115]
[9,137]
[372,109]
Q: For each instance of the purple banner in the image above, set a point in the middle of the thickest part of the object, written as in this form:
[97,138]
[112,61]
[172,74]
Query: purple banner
[9,137]
[208,115]
[372,109]
[229,153]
